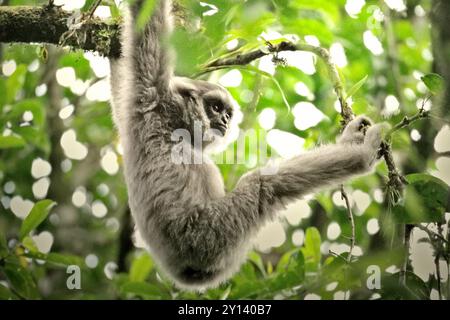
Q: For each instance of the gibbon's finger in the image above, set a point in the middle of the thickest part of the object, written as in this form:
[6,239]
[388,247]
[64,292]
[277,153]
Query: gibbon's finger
[358,124]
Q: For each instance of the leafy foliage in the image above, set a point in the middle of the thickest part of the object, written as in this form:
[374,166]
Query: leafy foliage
[54,111]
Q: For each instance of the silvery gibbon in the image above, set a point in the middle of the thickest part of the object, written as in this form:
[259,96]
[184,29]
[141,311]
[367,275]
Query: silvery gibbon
[198,234]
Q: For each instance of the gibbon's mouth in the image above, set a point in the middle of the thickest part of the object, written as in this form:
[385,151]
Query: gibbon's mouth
[222,128]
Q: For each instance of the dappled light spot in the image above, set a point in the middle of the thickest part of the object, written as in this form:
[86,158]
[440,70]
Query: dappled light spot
[212,9]
[442,140]
[325,247]
[109,162]
[392,269]
[91,261]
[9,187]
[6,202]
[312,40]
[425,104]
[40,188]
[79,197]
[113,224]
[43,241]
[246,96]
[27,116]
[232,44]
[421,255]
[286,144]
[339,248]
[102,12]
[409,94]
[99,210]
[419,11]
[341,295]
[272,235]
[338,201]
[296,211]
[373,226]
[110,270]
[372,43]
[333,231]
[362,201]
[415,135]
[231,79]
[266,64]
[102,189]
[70,5]
[33,66]
[20,207]
[66,165]
[99,91]
[267,118]
[443,169]
[302,60]
[40,90]
[338,56]
[391,105]
[354,7]
[66,112]
[65,76]
[378,195]
[303,90]
[8,67]
[40,168]
[72,148]
[298,237]
[397,5]
[332,286]
[306,115]
[98,64]
[312,296]
[79,87]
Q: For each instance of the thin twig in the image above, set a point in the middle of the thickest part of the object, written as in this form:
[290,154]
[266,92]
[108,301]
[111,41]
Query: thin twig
[351,221]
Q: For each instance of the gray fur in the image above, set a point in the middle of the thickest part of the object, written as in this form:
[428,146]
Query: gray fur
[198,234]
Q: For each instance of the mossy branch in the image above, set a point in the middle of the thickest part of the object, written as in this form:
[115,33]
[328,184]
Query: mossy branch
[46,24]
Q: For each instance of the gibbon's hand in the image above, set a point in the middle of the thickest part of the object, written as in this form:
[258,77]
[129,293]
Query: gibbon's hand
[362,132]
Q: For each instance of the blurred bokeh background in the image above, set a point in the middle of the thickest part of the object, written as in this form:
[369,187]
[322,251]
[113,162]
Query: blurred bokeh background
[58,142]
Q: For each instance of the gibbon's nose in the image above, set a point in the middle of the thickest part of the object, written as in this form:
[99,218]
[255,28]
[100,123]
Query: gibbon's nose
[225,118]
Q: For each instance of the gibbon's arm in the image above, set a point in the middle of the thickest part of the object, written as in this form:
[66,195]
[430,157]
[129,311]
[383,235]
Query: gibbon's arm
[215,227]
[142,74]
[150,55]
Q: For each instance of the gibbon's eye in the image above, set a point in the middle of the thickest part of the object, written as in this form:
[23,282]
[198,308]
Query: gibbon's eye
[216,108]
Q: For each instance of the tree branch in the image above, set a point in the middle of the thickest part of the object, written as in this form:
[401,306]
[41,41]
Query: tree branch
[248,57]
[46,24]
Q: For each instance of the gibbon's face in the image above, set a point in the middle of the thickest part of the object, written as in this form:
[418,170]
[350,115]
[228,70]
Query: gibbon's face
[214,107]
[219,111]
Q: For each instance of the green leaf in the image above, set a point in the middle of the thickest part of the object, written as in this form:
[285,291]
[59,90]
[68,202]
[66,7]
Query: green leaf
[311,249]
[13,141]
[425,200]
[434,82]
[57,259]
[5,293]
[38,214]
[145,13]
[356,87]
[141,267]
[142,289]
[21,280]
[3,246]
[268,75]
